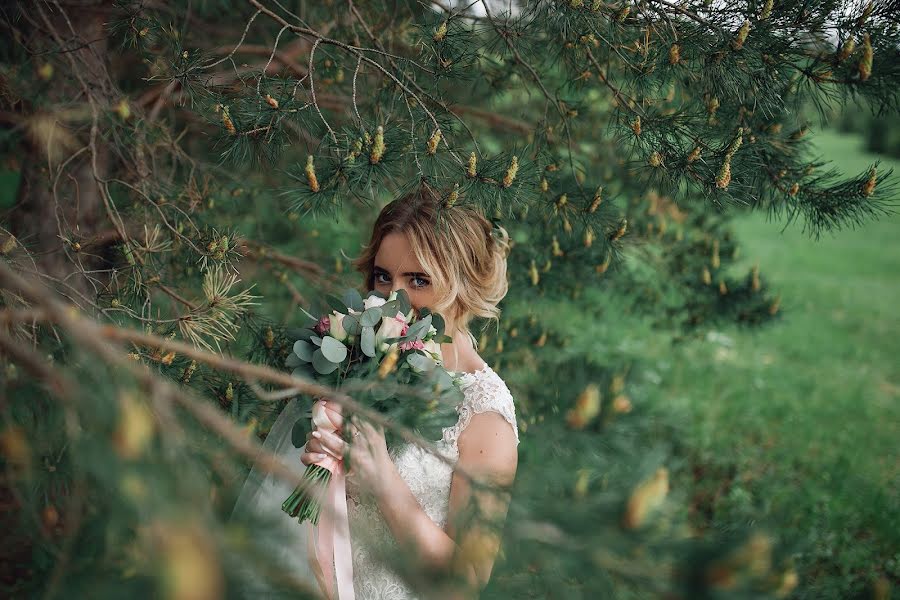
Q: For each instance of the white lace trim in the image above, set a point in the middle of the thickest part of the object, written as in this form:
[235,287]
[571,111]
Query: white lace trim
[484,391]
[474,374]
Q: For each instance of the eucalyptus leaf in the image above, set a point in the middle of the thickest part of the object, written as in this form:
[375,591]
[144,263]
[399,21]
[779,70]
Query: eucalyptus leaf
[419,328]
[303,350]
[298,433]
[333,349]
[438,321]
[391,307]
[367,342]
[371,317]
[405,304]
[351,324]
[442,380]
[294,361]
[353,299]
[315,340]
[419,362]
[322,365]
[300,333]
[316,309]
[402,296]
[336,303]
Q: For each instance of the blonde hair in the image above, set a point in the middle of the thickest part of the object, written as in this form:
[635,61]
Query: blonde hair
[458,247]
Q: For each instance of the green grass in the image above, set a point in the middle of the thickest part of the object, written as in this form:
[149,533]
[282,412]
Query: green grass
[797,424]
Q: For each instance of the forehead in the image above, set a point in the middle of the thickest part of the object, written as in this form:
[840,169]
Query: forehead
[395,254]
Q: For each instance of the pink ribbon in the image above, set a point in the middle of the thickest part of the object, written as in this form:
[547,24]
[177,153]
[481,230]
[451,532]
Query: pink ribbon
[330,555]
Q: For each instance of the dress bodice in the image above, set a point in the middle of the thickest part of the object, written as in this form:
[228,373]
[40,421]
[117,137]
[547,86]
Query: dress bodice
[428,478]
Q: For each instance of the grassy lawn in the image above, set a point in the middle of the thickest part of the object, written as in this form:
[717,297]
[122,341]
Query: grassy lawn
[797,425]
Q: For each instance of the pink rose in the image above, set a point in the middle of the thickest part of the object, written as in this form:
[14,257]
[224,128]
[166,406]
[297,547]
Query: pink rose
[412,345]
[391,327]
[323,325]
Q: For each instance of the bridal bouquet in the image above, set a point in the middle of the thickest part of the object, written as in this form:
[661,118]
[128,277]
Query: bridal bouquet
[391,356]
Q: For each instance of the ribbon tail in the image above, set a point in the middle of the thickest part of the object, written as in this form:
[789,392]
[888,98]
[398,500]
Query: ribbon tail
[325,541]
[331,556]
[314,562]
[343,553]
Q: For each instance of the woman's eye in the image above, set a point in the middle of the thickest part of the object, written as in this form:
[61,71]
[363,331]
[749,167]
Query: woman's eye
[377,275]
[420,285]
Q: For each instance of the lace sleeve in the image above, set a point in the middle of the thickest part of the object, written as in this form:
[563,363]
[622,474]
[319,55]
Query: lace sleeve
[484,391]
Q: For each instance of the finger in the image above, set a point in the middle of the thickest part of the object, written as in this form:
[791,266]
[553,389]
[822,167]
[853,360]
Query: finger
[332,443]
[370,431]
[360,434]
[363,425]
[369,427]
[310,458]
[314,446]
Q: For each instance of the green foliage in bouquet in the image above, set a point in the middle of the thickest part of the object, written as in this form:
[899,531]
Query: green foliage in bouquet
[386,356]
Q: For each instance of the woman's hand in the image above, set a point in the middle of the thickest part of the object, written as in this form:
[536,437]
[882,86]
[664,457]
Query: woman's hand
[314,451]
[325,417]
[366,455]
[368,461]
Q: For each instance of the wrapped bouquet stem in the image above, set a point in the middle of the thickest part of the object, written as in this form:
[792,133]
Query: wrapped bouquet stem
[305,501]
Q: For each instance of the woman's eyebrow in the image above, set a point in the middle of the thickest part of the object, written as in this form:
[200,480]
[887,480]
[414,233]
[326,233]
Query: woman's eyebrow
[416,274]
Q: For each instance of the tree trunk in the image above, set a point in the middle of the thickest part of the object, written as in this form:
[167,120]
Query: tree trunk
[59,204]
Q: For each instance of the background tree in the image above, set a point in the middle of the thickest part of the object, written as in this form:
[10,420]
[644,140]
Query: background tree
[171,153]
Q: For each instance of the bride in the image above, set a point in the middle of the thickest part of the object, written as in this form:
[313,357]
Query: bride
[414,519]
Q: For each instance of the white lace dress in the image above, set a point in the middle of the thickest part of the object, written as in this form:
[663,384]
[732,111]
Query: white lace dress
[429,480]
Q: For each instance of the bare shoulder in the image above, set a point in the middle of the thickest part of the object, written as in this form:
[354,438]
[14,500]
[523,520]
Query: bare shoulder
[489,446]
[473,363]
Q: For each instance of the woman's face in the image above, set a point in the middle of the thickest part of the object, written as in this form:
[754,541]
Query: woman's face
[396,268]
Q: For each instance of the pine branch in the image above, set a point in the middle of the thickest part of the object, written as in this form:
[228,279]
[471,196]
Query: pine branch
[357,53]
[97,337]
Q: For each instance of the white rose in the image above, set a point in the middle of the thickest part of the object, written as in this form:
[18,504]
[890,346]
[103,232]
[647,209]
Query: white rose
[373,301]
[336,330]
[434,348]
